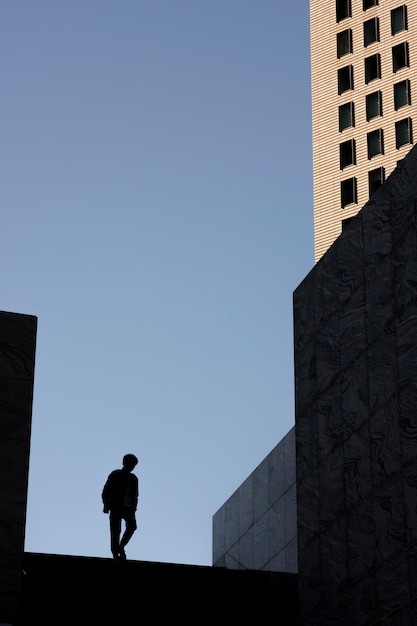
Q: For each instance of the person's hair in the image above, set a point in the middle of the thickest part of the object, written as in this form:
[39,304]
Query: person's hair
[130,458]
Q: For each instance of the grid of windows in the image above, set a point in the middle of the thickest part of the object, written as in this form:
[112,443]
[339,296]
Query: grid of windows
[372,67]
[373,105]
[370,31]
[346,116]
[402,95]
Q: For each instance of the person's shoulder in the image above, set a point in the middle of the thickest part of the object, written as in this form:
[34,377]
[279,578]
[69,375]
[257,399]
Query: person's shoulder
[115,472]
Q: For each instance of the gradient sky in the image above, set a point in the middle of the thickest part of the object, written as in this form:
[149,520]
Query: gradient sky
[157,217]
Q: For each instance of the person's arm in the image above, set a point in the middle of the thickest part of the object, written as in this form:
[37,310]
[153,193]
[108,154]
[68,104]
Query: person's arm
[104,496]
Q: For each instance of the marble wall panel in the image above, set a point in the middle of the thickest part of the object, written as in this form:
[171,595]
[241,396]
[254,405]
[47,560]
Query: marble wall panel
[309,579]
[379,299]
[393,590]
[232,520]
[260,490]
[385,442]
[328,358]
[407,402]
[376,232]
[357,467]
[305,374]
[405,266]
[332,493]
[382,371]
[276,474]
[355,396]
[290,461]
[409,476]
[333,556]
[246,509]
[363,605]
[276,521]
[261,537]
[246,550]
[290,507]
[406,331]
[307,449]
[329,418]
[352,329]
[308,508]
[259,520]
[361,540]
[389,519]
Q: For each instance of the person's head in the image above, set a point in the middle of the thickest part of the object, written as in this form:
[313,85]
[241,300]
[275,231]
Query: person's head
[130,461]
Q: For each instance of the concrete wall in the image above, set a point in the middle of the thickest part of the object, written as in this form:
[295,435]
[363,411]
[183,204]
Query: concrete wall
[256,528]
[355,320]
[17,365]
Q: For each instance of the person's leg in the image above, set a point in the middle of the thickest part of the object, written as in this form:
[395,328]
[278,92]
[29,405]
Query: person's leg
[131,526]
[115,530]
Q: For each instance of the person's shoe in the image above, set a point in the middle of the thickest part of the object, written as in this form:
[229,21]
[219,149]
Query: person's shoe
[122,554]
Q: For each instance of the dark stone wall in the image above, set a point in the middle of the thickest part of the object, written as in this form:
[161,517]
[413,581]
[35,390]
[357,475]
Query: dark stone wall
[17,366]
[355,321]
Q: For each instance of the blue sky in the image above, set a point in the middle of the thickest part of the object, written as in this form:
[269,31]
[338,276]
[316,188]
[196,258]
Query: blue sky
[157,217]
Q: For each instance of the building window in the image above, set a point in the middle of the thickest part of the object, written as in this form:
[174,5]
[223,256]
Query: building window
[375,179]
[402,95]
[370,31]
[346,116]
[375,140]
[372,68]
[347,151]
[367,4]
[403,132]
[348,192]
[344,42]
[346,221]
[399,19]
[400,56]
[343,9]
[373,105]
[345,79]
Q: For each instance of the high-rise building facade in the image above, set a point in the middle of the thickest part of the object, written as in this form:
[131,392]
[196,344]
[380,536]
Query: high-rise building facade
[364,103]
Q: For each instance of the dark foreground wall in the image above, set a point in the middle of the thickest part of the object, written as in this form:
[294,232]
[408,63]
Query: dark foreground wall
[69,590]
[17,366]
[355,320]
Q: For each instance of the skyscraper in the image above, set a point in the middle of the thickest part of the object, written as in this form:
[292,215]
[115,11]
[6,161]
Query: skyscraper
[364,103]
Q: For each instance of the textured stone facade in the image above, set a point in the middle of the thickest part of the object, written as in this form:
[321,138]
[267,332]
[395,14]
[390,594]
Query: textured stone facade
[355,320]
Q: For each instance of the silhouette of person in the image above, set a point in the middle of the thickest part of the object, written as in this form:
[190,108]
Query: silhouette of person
[120,498]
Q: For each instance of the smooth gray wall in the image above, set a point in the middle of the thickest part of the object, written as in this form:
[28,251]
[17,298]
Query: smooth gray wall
[256,528]
[17,367]
[355,321]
